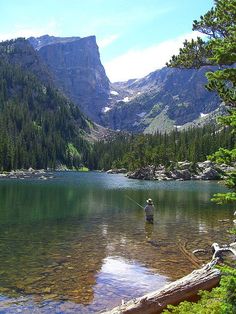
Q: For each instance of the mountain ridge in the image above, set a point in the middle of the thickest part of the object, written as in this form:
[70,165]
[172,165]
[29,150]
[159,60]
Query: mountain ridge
[45,40]
[163,100]
[77,71]
[171,97]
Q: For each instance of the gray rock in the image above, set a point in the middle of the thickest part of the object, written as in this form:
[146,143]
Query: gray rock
[210,174]
[227,168]
[181,174]
[43,178]
[205,164]
[184,164]
[145,173]
[121,170]
[77,70]
[184,171]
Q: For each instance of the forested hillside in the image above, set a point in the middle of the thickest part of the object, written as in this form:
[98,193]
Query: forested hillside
[135,151]
[39,127]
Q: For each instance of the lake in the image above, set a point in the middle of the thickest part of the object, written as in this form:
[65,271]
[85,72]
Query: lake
[78,243]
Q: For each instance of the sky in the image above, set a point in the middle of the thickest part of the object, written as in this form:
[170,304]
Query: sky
[135,37]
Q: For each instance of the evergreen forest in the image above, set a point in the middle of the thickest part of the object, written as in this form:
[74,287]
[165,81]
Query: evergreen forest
[39,127]
[135,151]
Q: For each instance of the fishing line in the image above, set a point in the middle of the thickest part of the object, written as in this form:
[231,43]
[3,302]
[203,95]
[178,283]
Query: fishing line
[134,201]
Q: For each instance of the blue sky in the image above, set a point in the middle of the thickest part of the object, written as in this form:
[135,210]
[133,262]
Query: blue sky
[134,37]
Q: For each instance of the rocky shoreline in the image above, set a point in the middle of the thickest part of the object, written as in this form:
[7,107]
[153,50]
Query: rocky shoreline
[180,171]
[30,173]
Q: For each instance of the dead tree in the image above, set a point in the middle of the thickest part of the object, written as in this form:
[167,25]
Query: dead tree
[186,288]
[218,251]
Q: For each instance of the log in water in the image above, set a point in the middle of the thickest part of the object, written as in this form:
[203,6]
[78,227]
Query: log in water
[183,289]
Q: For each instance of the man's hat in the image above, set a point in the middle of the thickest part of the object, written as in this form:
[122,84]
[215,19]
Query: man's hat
[149,201]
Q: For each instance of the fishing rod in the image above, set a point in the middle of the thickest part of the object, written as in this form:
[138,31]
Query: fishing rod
[134,201]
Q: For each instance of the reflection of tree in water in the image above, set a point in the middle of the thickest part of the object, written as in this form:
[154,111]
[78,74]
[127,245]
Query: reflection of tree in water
[53,242]
[44,249]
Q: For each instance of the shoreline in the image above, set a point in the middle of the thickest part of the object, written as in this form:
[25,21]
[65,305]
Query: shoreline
[179,171]
[40,174]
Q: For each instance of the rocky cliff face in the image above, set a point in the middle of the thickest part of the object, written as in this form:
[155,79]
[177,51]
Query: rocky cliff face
[45,40]
[162,101]
[165,99]
[77,70]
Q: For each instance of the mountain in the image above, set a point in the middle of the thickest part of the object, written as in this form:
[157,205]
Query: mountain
[39,42]
[76,69]
[39,126]
[162,101]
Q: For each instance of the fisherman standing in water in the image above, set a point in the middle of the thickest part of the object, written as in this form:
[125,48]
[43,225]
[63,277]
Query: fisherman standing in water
[149,210]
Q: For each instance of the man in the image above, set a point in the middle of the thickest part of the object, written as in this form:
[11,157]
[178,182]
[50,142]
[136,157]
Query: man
[149,210]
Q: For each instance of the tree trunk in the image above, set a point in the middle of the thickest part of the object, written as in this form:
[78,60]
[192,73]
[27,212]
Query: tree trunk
[183,289]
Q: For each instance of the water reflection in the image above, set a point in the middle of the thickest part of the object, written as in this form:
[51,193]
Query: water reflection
[148,230]
[67,245]
[127,275]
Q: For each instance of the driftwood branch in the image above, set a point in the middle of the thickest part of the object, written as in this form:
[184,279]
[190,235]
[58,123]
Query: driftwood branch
[199,251]
[185,288]
[219,250]
[190,256]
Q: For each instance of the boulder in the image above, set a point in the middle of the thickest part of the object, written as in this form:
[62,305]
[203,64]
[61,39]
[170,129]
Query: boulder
[181,174]
[205,164]
[110,171]
[210,174]
[184,165]
[145,173]
[180,171]
[121,170]
[226,168]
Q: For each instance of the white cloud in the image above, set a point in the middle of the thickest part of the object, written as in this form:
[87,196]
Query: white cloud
[138,63]
[107,41]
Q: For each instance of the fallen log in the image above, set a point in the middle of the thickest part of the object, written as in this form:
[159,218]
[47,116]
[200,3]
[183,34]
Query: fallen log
[183,289]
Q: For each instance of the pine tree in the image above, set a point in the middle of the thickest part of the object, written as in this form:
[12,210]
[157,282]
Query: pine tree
[219,49]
